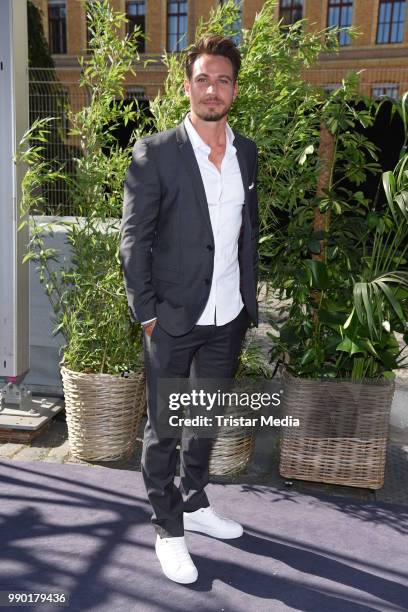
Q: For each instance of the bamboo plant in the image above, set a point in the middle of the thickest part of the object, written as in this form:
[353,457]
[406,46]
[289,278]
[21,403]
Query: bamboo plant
[87,293]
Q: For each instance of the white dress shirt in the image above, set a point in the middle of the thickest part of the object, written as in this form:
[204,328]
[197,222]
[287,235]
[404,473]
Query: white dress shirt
[225,197]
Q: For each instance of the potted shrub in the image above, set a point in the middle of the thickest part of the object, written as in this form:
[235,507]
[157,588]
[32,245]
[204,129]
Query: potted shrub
[101,368]
[343,266]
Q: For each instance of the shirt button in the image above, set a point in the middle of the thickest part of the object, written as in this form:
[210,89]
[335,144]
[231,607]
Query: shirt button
[207,281]
[210,247]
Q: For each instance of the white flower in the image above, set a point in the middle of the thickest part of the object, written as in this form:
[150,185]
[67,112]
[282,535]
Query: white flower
[386,326]
[307,151]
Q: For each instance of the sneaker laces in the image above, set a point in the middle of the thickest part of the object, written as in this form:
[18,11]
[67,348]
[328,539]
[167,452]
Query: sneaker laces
[179,550]
[222,518]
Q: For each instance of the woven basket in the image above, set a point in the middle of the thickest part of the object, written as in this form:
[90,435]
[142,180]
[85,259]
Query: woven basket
[343,407]
[231,454]
[232,447]
[103,413]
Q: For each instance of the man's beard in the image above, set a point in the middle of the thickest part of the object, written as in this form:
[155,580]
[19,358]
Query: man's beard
[212,116]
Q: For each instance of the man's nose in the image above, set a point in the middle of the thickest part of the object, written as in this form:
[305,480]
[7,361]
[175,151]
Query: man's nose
[211,88]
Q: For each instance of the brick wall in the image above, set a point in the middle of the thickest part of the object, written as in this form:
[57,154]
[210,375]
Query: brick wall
[382,63]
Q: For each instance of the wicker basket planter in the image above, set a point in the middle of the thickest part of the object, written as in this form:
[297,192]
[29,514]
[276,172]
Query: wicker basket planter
[232,447]
[103,413]
[343,433]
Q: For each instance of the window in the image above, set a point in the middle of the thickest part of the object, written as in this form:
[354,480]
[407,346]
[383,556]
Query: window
[238,23]
[290,11]
[57,26]
[388,90]
[135,13]
[391,17]
[135,93]
[176,25]
[340,14]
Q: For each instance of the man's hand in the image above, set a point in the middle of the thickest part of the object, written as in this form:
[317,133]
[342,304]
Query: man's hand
[149,327]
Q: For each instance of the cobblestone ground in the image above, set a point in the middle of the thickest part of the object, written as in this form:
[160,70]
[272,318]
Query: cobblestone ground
[52,446]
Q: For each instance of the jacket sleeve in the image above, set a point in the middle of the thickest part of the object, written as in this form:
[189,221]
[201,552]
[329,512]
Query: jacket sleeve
[138,228]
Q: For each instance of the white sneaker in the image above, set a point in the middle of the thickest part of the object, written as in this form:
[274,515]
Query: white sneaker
[206,520]
[175,560]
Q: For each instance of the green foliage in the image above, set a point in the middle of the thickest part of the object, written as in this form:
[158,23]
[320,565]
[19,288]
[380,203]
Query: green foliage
[88,296]
[252,361]
[346,308]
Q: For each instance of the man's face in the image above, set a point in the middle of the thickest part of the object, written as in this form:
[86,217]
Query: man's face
[211,89]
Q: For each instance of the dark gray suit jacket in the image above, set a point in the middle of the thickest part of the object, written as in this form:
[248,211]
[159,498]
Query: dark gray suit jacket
[167,243]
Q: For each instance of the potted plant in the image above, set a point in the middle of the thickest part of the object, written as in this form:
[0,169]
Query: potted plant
[343,267]
[101,368]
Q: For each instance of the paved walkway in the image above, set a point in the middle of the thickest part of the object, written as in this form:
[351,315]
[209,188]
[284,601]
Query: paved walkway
[86,532]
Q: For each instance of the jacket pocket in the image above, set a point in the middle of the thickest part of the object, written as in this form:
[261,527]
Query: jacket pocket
[166,274]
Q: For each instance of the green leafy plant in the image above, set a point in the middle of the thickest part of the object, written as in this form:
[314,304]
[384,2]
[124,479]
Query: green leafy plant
[253,362]
[348,284]
[88,295]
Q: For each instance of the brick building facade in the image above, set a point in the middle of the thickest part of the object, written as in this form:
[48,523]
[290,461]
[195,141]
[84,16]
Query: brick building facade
[381,49]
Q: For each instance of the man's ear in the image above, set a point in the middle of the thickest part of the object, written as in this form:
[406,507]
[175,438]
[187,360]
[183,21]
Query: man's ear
[186,87]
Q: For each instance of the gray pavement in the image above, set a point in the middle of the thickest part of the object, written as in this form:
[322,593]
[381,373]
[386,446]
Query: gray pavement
[86,532]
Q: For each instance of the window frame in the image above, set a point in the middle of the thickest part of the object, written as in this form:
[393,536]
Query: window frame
[238,23]
[401,23]
[181,39]
[135,92]
[60,32]
[342,5]
[385,86]
[137,20]
[291,10]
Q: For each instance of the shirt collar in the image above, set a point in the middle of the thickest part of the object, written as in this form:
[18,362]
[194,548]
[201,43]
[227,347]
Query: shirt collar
[198,143]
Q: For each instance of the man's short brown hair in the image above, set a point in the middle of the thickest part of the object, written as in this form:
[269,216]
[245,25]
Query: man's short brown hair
[214,44]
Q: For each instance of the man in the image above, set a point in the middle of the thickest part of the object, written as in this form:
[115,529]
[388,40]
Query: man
[189,257]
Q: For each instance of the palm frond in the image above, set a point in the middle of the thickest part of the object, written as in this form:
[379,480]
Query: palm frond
[371,297]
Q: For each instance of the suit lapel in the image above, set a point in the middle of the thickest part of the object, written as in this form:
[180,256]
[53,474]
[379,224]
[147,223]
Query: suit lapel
[244,174]
[242,166]
[187,152]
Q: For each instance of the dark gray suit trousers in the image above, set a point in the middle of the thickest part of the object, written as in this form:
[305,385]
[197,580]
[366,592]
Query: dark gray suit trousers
[207,351]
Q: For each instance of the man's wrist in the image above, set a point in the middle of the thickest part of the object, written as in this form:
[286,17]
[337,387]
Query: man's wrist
[148,322]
